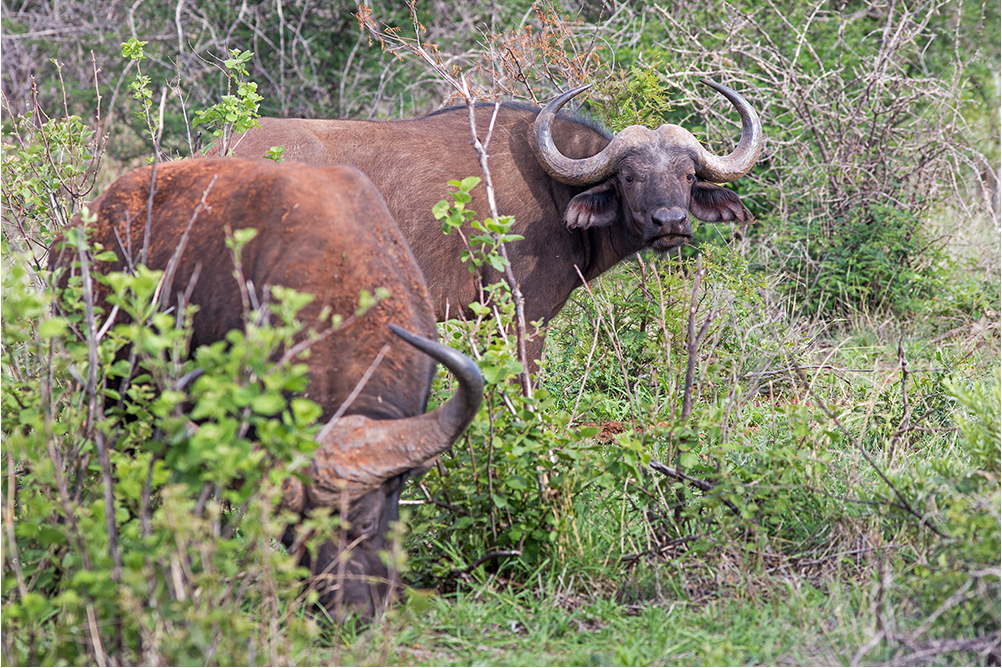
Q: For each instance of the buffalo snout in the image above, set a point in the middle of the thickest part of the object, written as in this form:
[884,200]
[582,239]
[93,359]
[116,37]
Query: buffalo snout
[672,221]
[360,585]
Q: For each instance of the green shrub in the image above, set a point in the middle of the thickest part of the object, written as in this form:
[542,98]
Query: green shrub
[877,259]
[951,587]
[48,166]
[508,487]
[140,536]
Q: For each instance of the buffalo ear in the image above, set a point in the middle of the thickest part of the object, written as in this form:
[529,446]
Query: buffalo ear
[713,204]
[595,207]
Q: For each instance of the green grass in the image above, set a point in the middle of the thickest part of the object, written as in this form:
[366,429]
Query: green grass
[503,628]
[794,624]
[811,576]
[834,524]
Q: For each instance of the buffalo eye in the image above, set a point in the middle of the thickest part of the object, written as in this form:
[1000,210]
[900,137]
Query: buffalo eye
[628,178]
[367,527]
[691,178]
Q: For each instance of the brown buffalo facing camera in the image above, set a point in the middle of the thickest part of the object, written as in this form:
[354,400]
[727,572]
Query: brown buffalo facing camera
[323,231]
[583,200]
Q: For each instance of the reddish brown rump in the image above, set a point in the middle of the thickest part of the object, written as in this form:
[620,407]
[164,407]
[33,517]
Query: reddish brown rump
[323,231]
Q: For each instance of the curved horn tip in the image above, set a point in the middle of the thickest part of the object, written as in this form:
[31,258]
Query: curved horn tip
[740,160]
[459,364]
[714,85]
[456,414]
[404,334]
[573,91]
[560,100]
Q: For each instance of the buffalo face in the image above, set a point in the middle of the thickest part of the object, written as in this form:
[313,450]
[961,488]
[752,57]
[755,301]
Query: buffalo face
[360,466]
[350,573]
[651,180]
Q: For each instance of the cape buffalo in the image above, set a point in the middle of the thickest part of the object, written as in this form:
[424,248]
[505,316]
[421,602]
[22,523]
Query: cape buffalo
[324,231]
[583,200]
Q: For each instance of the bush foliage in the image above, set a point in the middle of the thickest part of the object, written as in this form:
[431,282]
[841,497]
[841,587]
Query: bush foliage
[812,399]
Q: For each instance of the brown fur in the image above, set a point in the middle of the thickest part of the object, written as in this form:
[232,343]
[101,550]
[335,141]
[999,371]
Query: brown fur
[324,231]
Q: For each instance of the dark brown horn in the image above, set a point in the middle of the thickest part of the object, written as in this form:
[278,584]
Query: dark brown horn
[455,415]
[740,161]
[359,453]
[583,172]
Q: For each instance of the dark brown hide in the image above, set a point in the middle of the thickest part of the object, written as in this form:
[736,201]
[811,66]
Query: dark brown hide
[324,231]
[644,203]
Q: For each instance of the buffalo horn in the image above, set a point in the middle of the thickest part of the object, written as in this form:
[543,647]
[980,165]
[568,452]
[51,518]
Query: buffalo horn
[738,162]
[585,171]
[588,171]
[455,415]
[359,453]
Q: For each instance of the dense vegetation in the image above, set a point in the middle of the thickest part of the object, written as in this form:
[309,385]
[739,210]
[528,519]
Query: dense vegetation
[781,445]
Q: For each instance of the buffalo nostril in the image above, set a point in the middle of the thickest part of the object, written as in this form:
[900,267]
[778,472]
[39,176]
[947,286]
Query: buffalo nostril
[674,219]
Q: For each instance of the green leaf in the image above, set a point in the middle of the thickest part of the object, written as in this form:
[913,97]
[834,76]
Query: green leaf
[517,482]
[52,327]
[440,210]
[275,154]
[688,460]
[243,236]
[269,403]
[133,49]
[305,411]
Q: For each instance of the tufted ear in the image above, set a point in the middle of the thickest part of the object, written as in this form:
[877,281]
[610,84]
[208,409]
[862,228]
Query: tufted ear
[595,207]
[714,204]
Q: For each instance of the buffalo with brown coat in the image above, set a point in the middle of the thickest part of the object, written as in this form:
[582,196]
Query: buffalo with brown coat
[323,231]
[583,200]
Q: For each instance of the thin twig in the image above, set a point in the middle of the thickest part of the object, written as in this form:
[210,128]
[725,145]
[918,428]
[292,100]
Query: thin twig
[611,331]
[497,554]
[94,411]
[694,340]
[789,369]
[166,284]
[148,232]
[509,274]
[95,636]
[922,654]
[905,425]
[11,552]
[661,549]
[702,485]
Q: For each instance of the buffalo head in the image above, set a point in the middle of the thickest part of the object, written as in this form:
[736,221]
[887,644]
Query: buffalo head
[360,467]
[651,179]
